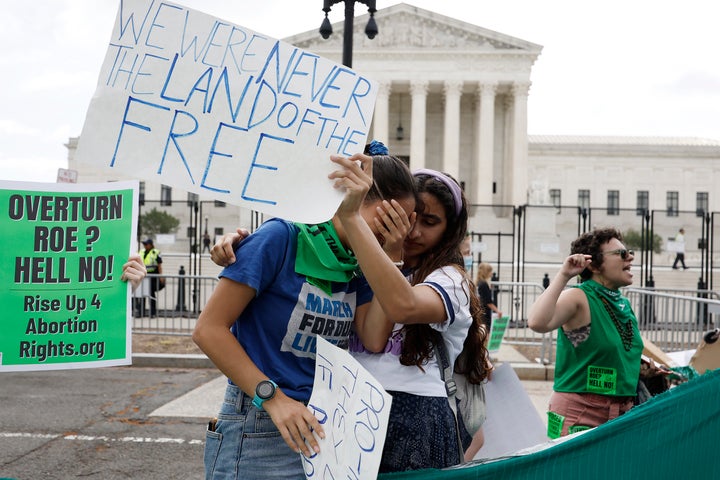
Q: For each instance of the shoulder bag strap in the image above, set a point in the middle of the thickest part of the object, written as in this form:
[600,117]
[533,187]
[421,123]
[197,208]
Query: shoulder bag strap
[446,373]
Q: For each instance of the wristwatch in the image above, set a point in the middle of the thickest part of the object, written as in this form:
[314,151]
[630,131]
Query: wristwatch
[265,390]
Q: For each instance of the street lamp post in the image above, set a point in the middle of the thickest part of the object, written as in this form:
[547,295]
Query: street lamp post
[370,29]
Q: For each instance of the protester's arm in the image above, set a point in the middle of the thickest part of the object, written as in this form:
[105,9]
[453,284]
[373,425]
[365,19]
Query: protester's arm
[399,300]
[556,306]
[223,252]
[133,271]
[212,334]
[478,441]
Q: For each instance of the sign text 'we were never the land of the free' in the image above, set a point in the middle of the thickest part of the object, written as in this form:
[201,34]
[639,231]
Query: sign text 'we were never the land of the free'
[193,101]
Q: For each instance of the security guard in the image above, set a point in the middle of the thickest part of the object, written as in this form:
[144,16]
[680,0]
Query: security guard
[153,263]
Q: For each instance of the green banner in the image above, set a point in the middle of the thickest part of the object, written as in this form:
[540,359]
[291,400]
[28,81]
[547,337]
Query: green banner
[64,303]
[672,436]
[497,332]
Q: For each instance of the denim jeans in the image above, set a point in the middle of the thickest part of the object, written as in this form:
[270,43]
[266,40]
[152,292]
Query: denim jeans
[246,444]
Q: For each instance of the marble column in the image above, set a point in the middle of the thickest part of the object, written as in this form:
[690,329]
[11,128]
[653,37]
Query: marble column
[381,115]
[519,152]
[451,135]
[485,148]
[419,91]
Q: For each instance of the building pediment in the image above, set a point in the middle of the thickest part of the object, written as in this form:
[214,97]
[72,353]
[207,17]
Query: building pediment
[406,27]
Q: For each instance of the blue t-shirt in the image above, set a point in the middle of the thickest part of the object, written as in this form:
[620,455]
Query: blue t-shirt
[279,326]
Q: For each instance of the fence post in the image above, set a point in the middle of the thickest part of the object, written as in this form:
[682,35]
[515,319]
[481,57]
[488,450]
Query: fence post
[180,306]
[647,307]
[702,307]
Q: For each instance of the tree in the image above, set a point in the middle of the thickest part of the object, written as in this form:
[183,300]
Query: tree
[633,240]
[157,221]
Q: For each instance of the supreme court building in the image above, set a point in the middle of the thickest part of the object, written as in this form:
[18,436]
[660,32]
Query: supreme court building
[453,97]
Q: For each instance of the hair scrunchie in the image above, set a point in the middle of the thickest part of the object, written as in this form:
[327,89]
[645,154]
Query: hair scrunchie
[377,148]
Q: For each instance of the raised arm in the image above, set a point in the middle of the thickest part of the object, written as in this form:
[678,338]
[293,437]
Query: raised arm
[400,302]
[556,306]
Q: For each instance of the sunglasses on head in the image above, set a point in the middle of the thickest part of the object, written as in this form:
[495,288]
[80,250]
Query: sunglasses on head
[623,252]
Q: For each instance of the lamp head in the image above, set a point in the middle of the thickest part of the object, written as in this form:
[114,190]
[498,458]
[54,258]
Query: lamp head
[326,28]
[371,28]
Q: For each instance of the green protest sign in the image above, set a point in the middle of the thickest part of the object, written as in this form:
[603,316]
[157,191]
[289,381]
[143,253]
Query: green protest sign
[64,303]
[497,332]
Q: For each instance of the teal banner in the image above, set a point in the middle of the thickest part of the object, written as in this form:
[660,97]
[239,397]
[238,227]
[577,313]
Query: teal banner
[673,435]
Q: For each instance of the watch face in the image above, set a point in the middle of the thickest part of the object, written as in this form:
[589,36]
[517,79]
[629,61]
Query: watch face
[265,390]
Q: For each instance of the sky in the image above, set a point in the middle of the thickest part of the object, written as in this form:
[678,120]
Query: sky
[617,67]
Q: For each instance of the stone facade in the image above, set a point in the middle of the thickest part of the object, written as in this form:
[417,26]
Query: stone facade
[458,92]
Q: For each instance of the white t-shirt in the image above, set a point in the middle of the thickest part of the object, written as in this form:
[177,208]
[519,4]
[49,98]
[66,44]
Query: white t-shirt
[453,288]
[680,241]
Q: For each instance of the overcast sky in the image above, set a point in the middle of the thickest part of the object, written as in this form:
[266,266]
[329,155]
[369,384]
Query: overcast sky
[618,67]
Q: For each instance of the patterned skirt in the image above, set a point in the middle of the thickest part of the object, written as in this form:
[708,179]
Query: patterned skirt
[421,434]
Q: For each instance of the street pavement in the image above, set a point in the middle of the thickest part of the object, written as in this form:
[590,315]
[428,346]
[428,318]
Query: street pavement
[140,422]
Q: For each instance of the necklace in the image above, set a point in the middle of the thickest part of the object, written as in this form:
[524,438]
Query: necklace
[625,330]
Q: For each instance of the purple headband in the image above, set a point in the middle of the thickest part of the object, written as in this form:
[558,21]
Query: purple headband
[448,182]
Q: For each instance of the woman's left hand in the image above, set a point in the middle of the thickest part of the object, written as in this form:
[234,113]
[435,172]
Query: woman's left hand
[356,178]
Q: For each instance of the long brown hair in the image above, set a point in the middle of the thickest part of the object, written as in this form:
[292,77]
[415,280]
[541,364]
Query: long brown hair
[419,340]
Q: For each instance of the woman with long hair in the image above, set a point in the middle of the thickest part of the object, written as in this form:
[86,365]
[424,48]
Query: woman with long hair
[406,320]
[482,280]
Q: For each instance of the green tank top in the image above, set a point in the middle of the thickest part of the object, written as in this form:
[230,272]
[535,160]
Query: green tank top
[601,364]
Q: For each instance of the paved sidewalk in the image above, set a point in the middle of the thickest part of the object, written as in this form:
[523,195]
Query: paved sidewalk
[205,400]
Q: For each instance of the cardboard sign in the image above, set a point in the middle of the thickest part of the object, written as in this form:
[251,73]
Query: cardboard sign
[512,422]
[354,409]
[64,305]
[192,101]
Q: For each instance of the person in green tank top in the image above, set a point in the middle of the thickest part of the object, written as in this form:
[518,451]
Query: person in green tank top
[599,347]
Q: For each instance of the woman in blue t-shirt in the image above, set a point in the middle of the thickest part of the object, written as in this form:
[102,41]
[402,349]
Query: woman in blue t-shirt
[259,328]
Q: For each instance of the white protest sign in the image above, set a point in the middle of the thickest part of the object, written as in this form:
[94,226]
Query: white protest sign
[188,100]
[354,409]
[512,422]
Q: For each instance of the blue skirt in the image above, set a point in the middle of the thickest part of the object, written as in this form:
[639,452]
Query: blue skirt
[421,434]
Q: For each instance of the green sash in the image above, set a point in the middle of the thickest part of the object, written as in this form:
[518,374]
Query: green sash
[322,258]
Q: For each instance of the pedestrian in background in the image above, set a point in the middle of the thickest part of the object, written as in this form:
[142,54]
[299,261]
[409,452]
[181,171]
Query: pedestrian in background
[680,252]
[153,264]
[484,275]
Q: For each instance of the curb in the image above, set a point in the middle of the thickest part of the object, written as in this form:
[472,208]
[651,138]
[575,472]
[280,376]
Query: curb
[524,371]
[534,371]
[170,360]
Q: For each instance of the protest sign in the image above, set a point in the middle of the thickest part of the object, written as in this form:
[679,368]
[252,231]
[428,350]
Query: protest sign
[497,332]
[354,409]
[64,303]
[512,421]
[188,100]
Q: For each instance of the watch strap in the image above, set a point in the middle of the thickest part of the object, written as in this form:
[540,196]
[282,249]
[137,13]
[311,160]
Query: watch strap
[258,401]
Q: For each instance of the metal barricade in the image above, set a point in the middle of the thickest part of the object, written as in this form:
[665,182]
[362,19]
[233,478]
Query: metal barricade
[674,321]
[178,304]
[514,300]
